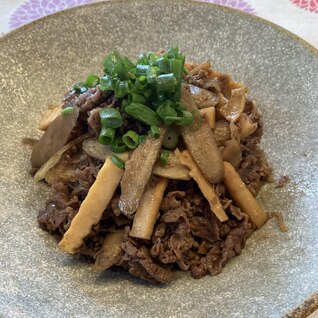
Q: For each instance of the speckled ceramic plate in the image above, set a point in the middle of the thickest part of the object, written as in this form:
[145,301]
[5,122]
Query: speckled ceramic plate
[39,62]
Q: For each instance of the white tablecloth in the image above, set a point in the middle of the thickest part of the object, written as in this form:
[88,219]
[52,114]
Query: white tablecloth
[298,16]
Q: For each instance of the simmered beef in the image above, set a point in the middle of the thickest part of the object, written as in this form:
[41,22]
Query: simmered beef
[187,236]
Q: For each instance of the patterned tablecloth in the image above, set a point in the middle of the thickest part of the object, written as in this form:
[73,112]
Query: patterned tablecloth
[298,16]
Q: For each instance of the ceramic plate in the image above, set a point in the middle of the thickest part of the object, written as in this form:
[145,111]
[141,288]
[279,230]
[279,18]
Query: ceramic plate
[38,62]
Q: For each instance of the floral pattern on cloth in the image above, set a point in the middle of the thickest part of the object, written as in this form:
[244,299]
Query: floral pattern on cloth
[236,4]
[310,5]
[35,9]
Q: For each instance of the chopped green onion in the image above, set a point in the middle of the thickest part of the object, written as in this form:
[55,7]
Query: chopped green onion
[166,83]
[67,110]
[171,139]
[164,157]
[142,139]
[167,109]
[131,139]
[197,119]
[142,59]
[143,113]
[152,57]
[186,71]
[142,69]
[143,79]
[131,75]
[107,135]
[163,64]
[118,146]
[92,80]
[152,74]
[123,105]
[111,117]
[80,87]
[141,84]
[161,97]
[179,106]
[105,83]
[120,71]
[172,120]
[176,67]
[110,61]
[173,52]
[186,119]
[155,132]
[127,63]
[137,98]
[147,92]
[118,162]
[121,88]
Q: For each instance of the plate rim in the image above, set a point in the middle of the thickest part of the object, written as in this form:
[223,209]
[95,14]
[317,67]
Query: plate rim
[202,3]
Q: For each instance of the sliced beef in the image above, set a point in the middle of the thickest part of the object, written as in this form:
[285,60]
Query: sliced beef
[223,250]
[92,98]
[138,260]
[93,120]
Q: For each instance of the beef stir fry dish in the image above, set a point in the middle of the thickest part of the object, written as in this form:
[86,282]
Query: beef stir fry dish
[154,167]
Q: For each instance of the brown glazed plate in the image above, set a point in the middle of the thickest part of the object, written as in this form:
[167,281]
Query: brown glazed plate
[275,272]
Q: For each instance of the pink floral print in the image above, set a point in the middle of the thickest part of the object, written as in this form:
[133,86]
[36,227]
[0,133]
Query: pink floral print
[310,5]
[34,9]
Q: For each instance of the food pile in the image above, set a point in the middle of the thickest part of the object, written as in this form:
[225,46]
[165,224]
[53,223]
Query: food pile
[154,167]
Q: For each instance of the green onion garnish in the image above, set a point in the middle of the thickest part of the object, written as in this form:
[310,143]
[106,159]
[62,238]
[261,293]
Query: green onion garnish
[171,139]
[167,109]
[141,83]
[138,98]
[128,64]
[131,139]
[166,83]
[142,69]
[197,119]
[176,67]
[110,61]
[118,146]
[186,119]
[152,74]
[142,139]
[142,59]
[155,132]
[163,64]
[106,136]
[120,71]
[164,157]
[67,110]
[105,83]
[143,113]
[149,91]
[118,162]
[186,71]
[152,58]
[92,80]
[111,117]
[121,88]
[80,87]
